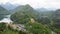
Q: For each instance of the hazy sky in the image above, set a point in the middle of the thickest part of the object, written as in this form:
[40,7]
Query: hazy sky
[36,3]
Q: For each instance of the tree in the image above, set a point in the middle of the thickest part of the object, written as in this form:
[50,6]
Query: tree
[24,14]
[37,28]
[44,20]
[56,22]
[21,32]
[2,26]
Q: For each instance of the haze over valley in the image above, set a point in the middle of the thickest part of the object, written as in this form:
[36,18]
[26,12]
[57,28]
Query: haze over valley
[29,17]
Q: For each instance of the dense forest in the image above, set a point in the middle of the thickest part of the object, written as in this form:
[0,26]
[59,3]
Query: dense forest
[34,21]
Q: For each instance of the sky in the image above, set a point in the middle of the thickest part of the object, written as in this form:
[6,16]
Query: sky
[35,3]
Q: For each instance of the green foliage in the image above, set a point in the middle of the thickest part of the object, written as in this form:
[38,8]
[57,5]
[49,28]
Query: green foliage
[24,14]
[21,32]
[2,26]
[9,32]
[37,28]
[20,18]
[57,31]
[55,27]
[48,14]
[56,22]
[53,20]
[6,29]
[44,20]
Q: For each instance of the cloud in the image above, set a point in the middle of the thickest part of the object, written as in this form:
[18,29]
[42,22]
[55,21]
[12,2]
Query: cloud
[3,1]
[36,3]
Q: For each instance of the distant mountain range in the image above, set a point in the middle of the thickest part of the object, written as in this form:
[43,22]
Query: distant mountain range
[46,9]
[3,11]
[9,6]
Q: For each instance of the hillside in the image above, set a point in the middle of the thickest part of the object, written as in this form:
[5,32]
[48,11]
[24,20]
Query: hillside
[24,12]
[3,12]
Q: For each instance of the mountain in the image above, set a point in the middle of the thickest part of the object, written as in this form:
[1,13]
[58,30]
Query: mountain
[22,8]
[9,6]
[45,9]
[22,12]
[2,9]
[3,12]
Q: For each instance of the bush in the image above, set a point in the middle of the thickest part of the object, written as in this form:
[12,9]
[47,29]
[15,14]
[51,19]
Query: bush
[37,28]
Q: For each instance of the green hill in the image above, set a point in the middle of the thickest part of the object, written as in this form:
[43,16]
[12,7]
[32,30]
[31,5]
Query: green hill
[23,12]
